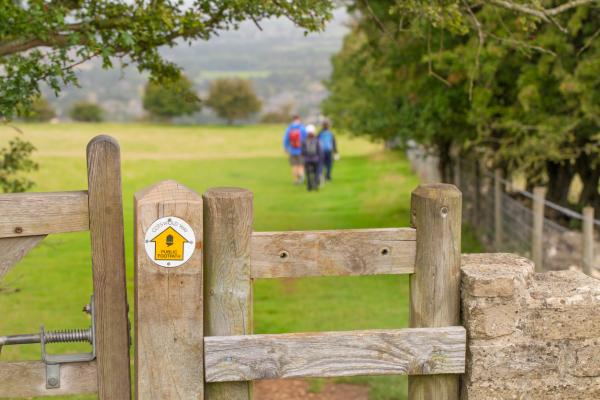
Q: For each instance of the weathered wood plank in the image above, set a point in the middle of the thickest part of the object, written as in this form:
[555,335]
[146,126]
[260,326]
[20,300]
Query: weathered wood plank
[228,287]
[587,245]
[108,268]
[32,214]
[330,354]
[339,252]
[28,379]
[435,286]
[14,249]
[169,356]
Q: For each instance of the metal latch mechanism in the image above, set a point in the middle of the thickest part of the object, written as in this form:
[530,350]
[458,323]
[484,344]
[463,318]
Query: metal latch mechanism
[54,361]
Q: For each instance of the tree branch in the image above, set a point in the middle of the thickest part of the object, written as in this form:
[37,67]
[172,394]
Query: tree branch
[567,6]
[541,13]
[21,45]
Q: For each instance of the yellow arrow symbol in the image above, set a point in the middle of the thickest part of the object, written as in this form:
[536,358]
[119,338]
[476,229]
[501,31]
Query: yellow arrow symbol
[168,245]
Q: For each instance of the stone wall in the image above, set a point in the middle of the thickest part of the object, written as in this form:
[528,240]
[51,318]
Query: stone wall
[530,336]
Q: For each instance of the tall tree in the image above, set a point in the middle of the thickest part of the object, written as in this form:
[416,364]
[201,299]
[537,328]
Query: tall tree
[513,80]
[171,98]
[233,99]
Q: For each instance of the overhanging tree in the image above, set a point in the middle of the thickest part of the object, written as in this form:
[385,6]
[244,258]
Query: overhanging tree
[41,41]
[514,79]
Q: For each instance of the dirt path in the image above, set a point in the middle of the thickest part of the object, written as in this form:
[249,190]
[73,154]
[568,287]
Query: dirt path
[295,389]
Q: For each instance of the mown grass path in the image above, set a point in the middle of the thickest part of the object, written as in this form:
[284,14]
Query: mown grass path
[371,188]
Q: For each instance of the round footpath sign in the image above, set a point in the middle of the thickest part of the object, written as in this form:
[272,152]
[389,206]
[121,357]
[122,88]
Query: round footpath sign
[170,242]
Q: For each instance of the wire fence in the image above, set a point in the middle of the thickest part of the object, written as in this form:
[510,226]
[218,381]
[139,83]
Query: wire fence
[504,220]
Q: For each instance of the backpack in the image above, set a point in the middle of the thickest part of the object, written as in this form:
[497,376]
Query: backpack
[295,138]
[326,140]
[312,147]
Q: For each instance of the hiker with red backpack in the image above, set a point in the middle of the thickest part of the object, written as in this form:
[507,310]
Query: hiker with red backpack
[294,136]
[311,152]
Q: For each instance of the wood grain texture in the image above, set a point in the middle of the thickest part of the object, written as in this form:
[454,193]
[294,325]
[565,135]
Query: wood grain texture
[33,214]
[14,249]
[435,285]
[331,354]
[169,354]
[327,253]
[537,232]
[28,379]
[108,268]
[228,287]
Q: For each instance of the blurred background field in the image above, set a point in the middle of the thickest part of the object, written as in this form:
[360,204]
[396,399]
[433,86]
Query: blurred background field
[371,188]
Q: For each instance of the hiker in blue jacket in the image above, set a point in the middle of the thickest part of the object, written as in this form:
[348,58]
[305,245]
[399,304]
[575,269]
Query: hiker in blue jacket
[294,136]
[328,149]
[311,152]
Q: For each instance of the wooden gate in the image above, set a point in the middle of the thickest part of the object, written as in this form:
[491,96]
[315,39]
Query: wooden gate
[25,220]
[193,315]
[194,322]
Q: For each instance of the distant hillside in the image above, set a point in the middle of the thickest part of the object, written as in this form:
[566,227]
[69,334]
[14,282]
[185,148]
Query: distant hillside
[284,64]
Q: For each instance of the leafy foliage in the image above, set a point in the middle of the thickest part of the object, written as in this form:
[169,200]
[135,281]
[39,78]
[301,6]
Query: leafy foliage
[41,111]
[171,98]
[14,160]
[86,112]
[495,80]
[42,41]
[233,99]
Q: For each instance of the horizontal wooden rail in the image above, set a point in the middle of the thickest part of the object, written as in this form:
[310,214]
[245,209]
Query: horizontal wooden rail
[416,351]
[338,252]
[28,379]
[32,214]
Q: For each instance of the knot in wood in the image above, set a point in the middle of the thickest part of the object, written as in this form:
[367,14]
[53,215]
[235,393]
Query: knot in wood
[444,212]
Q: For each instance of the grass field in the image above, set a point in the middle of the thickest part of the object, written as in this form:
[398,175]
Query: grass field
[371,188]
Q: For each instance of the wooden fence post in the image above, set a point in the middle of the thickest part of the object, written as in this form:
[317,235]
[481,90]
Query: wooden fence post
[497,209]
[587,249]
[228,288]
[537,238]
[108,268]
[435,285]
[477,196]
[169,346]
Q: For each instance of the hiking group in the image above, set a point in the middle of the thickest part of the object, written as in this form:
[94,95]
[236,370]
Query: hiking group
[310,155]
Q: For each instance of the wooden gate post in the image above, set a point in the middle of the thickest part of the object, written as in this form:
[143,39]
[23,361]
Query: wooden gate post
[537,232]
[587,248]
[169,346]
[108,268]
[228,289]
[435,285]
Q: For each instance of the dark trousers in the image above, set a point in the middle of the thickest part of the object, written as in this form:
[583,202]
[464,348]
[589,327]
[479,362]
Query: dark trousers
[311,170]
[327,164]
